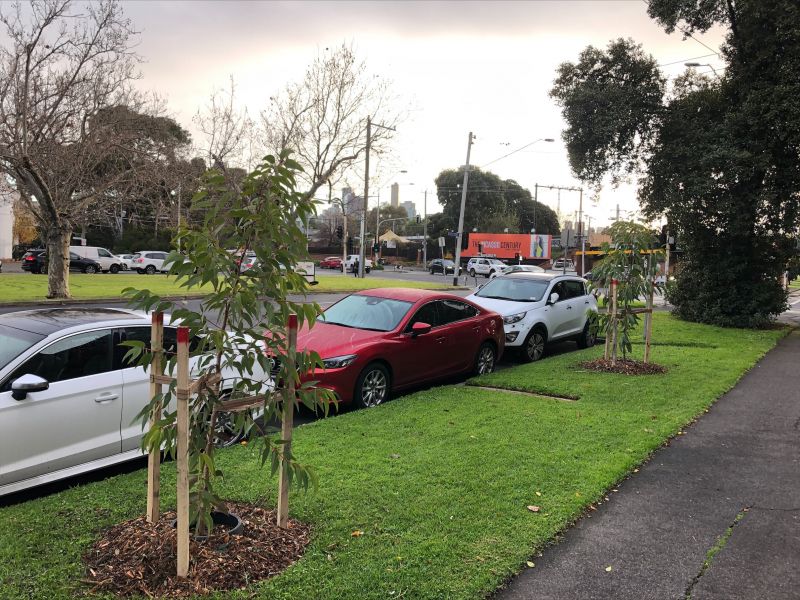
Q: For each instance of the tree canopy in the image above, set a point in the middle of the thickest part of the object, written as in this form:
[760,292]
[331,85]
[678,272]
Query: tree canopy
[717,156]
[492,204]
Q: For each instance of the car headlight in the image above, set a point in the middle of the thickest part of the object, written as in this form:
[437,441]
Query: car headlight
[338,362]
[511,319]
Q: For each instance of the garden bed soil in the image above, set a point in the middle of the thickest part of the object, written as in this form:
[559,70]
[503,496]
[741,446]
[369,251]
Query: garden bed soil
[623,366]
[136,558]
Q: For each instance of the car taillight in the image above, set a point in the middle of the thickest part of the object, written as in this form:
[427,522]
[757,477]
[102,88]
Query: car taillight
[140,260]
[30,258]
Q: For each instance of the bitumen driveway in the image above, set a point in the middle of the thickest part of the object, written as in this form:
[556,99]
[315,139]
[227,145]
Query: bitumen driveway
[713,516]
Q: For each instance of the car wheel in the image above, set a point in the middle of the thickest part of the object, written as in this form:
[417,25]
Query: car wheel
[90,269]
[472,272]
[484,361]
[533,349]
[43,269]
[431,271]
[114,269]
[372,387]
[489,274]
[587,337]
[150,269]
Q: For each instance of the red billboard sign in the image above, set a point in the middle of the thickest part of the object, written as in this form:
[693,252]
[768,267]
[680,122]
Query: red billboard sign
[508,245]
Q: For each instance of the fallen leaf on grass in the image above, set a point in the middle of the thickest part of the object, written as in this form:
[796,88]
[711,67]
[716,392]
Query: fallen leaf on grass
[357,533]
[608,569]
[533,508]
[530,564]
[538,493]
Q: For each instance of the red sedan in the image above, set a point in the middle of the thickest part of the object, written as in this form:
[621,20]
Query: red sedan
[380,341]
[331,262]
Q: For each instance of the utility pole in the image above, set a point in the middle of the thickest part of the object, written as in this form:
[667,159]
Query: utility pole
[666,268]
[361,252]
[179,217]
[361,255]
[535,200]
[425,231]
[461,213]
[580,232]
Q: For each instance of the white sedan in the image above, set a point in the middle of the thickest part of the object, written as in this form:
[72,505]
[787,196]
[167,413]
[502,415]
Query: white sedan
[517,269]
[68,401]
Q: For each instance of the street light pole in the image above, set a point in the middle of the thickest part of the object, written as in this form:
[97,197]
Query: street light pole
[425,231]
[460,232]
[361,252]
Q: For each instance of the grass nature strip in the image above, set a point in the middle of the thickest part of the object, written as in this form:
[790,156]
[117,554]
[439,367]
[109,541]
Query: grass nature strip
[24,287]
[438,482]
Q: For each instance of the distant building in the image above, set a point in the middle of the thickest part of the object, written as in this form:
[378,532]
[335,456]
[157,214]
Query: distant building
[411,209]
[7,198]
[395,195]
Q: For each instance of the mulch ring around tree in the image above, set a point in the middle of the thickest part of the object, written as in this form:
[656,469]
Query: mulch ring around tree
[623,366]
[137,558]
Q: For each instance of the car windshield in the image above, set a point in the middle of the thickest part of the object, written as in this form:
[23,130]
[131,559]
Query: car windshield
[367,312]
[14,342]
[516,289]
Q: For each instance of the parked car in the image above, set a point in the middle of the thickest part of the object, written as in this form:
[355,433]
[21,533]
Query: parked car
[377,342]
[435,266]
[127,261]
[149,261]
[539,308]
[107,261]
[517,269]
[561,264]
[68,399]
[28,260]
[331,262]
[39,264]
[484,266]
[351,261]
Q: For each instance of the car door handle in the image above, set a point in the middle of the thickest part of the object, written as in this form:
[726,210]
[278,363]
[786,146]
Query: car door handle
[569,307]
[441,340]
[106,398]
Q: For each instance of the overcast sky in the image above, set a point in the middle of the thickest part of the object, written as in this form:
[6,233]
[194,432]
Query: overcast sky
[484,67]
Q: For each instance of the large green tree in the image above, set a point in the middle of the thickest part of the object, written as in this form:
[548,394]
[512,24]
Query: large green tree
[492,205]
[720,157]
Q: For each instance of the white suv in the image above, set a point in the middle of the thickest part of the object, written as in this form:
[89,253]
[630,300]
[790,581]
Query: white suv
[149,261]
[538,308]
[484,266]
[347,266]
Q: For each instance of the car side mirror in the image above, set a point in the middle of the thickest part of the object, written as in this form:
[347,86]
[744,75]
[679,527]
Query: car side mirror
[22,386]
[553,298]
[420,329]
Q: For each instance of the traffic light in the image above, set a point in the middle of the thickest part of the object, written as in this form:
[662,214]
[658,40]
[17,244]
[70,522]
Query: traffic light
[339,232]
[376,248]
[480,248]
[516,256]
[419,219]
[349,244]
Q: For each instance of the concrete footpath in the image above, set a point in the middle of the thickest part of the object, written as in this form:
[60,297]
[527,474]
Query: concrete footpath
[715,515]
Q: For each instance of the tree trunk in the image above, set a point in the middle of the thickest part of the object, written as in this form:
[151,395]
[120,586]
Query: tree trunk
[58,237]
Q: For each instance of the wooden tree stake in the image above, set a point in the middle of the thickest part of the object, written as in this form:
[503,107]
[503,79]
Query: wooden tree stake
[154,458]
[287,422]
[648,326]
[182,395]
[614,284]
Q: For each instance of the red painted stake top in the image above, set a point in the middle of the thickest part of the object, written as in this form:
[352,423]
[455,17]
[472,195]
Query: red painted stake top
[183,335]
[615,281]
[292,321]
[158,318]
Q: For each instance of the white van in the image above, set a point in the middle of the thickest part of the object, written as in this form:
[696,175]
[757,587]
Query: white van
[108,262]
